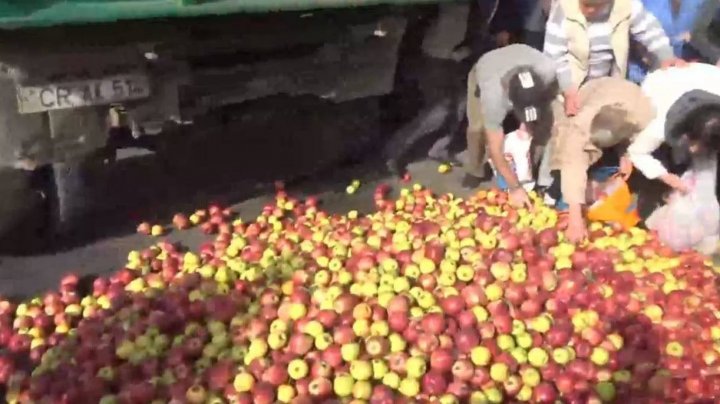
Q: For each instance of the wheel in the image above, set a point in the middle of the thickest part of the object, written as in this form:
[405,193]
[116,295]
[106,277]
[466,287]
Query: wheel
[73,188]
[23,222]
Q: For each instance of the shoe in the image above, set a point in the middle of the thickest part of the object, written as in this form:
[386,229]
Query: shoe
[471,182]
[549,200]
[394,168]
[561,206]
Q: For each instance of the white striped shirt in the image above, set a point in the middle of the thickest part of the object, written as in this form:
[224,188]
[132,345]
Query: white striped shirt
[644,28]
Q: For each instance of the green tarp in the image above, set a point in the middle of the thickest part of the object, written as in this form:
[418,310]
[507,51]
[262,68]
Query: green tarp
[41,13]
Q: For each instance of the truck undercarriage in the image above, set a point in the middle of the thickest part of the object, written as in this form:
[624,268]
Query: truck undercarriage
[66,90]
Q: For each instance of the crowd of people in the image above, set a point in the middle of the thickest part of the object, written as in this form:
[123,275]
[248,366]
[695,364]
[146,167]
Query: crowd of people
[597,84]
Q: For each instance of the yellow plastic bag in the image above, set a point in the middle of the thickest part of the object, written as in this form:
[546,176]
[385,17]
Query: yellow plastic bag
[616,204]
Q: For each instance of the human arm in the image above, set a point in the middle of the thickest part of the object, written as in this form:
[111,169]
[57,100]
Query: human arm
[647,30]
[517,194]
[640,154]
[574,163]
[700,36]
[556,47]
[495,145]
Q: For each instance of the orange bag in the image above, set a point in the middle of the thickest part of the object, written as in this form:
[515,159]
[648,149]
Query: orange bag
[616,204]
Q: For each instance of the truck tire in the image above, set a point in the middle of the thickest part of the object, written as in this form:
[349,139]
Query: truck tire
[73,190]
[23,224]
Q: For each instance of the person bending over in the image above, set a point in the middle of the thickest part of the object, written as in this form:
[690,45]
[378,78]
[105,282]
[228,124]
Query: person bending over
[516,79]
[614,111]
[687,105]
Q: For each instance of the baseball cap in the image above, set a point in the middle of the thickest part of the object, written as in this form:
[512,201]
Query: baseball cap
[530,97]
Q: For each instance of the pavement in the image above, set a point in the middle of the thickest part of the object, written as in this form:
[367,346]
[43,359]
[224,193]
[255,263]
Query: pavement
[231,158]
[23,276]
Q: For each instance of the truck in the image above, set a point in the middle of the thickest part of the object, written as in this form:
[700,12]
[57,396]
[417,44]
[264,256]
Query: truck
[75,72]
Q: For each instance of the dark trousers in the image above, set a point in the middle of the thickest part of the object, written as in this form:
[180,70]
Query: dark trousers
[534,39]
[608,159]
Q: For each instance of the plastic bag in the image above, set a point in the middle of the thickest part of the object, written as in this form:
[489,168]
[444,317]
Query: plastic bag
[517,154]
[613,202]
[692,220]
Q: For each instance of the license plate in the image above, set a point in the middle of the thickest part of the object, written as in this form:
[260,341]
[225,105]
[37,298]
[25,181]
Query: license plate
[84,93]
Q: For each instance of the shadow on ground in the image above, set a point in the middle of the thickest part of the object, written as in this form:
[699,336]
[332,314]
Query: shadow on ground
[227,157]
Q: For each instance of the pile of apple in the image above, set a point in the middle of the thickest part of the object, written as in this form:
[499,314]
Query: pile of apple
[427,299]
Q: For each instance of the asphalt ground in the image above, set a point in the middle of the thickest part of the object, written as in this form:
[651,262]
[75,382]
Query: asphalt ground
[233,159]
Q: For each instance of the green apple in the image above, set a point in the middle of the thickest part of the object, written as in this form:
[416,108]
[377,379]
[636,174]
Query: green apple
[361,370]
[494,395]
[538,357]
[494,292]
[524,340]
[622,376]
[525,394]
[286,393]
[392,380]
[499,372]
[530,376]
[397,343]
[343,385]
[541,324]
[599,356]
[481,314]
[562,356]
[465,273]
[297,369]
[520,355]
[350,351]
[313,328]
[606,391]
[409,387]
[380,369]
[415,367]
[478,397]
[258,348]
[518,328]
[480,356]
[243,382]
[505,342]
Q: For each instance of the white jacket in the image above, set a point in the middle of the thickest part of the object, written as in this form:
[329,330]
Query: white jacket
[664,88]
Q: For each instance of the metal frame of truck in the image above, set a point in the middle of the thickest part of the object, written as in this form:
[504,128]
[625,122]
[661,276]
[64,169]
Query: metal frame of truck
[67,67]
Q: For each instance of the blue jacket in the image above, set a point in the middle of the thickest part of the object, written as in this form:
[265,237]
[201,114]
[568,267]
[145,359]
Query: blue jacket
[674,26]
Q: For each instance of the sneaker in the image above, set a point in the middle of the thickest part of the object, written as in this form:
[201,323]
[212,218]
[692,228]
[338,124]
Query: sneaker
[549,200]
[471,182]
[561,206]
[394,167]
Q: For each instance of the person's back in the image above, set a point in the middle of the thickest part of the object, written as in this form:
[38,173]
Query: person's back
[666,86]
[497,63]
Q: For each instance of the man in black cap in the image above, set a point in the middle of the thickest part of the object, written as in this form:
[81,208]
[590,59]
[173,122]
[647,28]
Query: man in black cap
[518,80]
